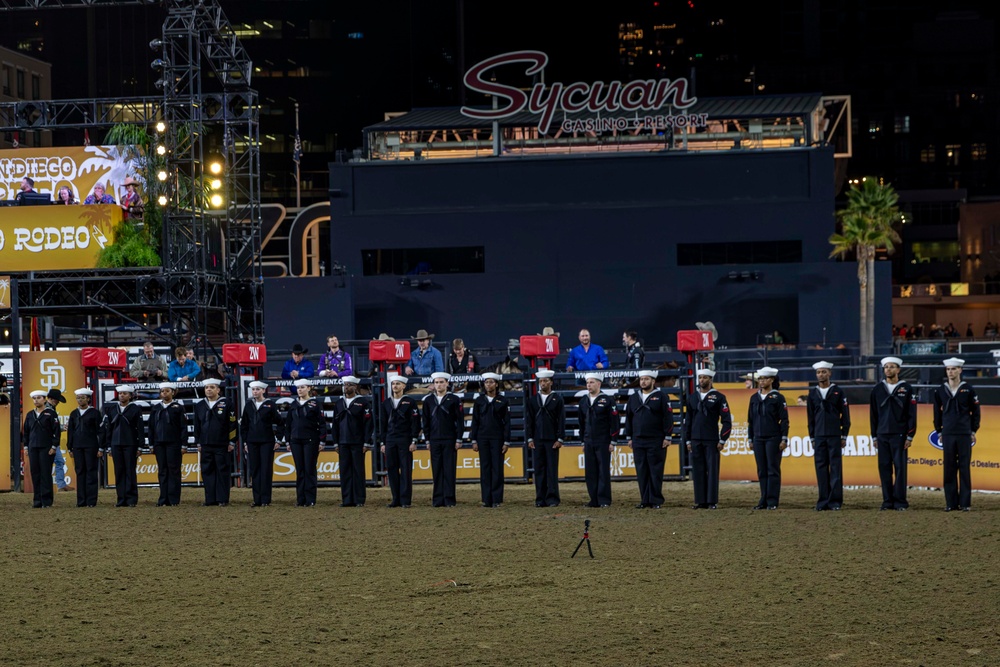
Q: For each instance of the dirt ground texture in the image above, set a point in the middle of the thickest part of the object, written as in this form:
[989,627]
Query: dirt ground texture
[193,585]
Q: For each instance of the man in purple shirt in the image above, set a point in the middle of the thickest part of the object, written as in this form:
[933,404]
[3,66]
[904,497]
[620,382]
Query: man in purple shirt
[585,356]
[334,362]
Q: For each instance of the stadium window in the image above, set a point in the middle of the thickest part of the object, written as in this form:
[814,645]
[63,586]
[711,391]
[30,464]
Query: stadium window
[978,152]
[902,125]
[422,261]
[952,152]
[927,154]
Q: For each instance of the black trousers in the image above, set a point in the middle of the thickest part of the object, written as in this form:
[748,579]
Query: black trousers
[491,464]
[40,462]
[545,460]
[444,459]
[597,472]
[260,462]
[705,457]
[399,467]
[892,459]
[767,453]
[305,454]
[88,475]
[352,474]
[168,472]
[957,470]
[650,458]
[829,472]
[215,474]
[126,480]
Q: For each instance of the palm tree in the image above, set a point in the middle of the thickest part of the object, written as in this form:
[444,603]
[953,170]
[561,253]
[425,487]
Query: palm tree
[866,226]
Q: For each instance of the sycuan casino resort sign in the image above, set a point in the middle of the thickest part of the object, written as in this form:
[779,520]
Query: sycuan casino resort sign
[629,106]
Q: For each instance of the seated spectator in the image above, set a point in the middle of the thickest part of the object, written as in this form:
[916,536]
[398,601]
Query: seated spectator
[425,359]
[335,362]
[183,369]
[298,367]
[586,357]
[148,366]
[66,197]
[99,196]
[461,361]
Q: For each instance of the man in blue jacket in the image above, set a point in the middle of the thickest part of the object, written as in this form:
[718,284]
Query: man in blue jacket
[585,356]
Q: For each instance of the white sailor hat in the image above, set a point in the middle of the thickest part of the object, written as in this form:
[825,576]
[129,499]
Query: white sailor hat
[705,371]
[208,381]
[84,391]
[303,382]
[492,376]
[125,389]
[440,376]
[647,374]
[396,378]
[257,384]
[544,373]
[594,376]
[767,372]
[891,360]
[822,364]
[954,362]
[37,393]
[349,379]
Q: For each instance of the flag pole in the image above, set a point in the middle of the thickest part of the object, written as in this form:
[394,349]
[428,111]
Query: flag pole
[298,159]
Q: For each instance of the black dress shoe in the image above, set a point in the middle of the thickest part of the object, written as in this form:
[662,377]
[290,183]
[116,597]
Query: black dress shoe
[655,507]
[713,507]
[539,504]
[347,505]
[696,506]
[772,507]
[590,504]
[120,503]
[642,506]
[223,504]
[256,504]
[393,505]
[36,506]
[131,504]
[965,509]
[449,504]
[759,506]
[360,505]
[606,505]
[948,509]
[310,504]
[901,509]
[209,504]
[405,507]
[161,503]
[553,504]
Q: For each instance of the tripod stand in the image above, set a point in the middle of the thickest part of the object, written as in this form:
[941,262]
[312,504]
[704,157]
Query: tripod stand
[585,538]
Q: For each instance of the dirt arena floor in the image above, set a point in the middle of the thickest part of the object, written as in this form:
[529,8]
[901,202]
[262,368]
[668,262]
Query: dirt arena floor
[281,585]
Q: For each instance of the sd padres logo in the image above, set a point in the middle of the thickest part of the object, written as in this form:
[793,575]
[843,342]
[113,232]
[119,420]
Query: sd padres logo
[53,374]
[934,438]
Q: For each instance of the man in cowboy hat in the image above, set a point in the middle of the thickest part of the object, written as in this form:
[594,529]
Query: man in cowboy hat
[956,419]
[298,367]
[131,202]
[893,413]
[425,360]
[53,399]
[829,422]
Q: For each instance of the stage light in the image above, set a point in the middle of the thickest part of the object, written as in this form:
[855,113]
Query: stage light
[215,168]
[216,184]
[161,150]
[161,175]
[162,200]
[161,127]
[216,201]
[159,63]
[156,44]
